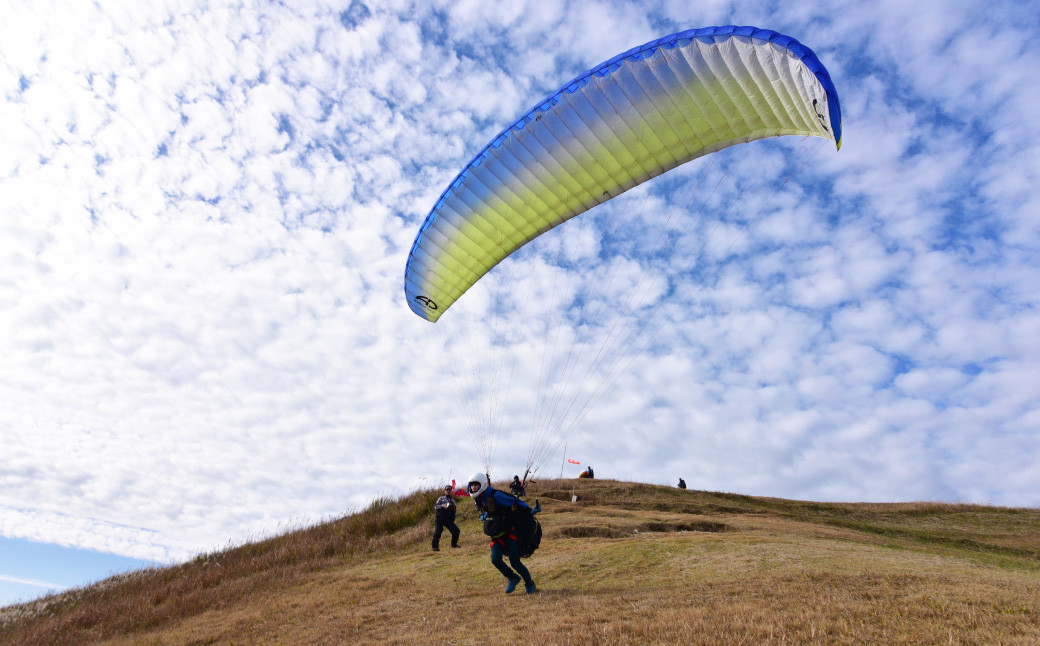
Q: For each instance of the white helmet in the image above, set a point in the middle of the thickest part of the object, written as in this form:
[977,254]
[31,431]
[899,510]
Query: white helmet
[478,479]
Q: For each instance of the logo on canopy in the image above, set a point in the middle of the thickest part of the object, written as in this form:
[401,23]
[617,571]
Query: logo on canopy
[426,302]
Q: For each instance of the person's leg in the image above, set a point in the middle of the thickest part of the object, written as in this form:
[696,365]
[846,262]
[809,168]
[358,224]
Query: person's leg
[454,529]
[513,550]
[497,550]
[437,535]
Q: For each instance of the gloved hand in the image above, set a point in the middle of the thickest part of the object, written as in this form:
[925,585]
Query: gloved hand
[483,516]
[537,508]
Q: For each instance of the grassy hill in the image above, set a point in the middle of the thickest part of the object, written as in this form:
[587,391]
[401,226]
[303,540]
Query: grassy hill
[626,564]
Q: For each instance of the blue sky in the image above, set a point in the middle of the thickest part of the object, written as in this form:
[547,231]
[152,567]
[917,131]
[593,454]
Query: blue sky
[207,212]
[34,569]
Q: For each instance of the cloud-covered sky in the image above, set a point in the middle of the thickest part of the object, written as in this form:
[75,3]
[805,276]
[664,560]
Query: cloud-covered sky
[206,211]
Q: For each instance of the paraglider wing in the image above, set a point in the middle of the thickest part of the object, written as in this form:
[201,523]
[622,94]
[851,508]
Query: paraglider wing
[613,127]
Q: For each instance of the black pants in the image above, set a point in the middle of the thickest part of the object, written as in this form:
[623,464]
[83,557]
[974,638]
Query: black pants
[441,525]
[511,548]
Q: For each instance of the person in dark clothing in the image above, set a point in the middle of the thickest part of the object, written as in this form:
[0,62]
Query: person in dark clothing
[592,474]
[495,504]
[517,487]
[682,483]
[445,509]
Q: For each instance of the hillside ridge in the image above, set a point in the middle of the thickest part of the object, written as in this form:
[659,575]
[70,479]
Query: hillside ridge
[624,563]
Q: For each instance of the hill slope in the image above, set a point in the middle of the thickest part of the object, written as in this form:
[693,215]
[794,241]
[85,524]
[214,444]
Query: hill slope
[625,564]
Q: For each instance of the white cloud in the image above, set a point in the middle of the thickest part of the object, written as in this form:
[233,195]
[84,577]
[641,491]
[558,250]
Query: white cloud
[31,582]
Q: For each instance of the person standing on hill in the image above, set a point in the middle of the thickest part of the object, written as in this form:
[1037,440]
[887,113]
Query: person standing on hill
[682,483]
[500,513]
[517,487]
[445,510]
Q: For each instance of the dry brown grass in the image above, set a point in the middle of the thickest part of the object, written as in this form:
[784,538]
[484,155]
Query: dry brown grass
[626,564]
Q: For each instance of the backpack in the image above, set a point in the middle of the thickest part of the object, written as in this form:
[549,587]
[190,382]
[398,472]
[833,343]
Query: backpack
[530,534]
[500,519]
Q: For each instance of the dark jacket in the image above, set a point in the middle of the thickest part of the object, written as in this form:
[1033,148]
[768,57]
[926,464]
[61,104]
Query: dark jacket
[445,507]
